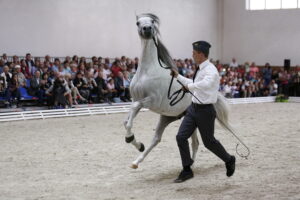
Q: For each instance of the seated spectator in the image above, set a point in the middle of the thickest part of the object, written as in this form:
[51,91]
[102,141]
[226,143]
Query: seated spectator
[91,83]
[119,85]
[56,65]
[102,90]
[45,82]
[273,88]
[127,81]
[74,91]
[82,85]
[6,75]
[112,89]
[13,92]
[116,68]
[25,69]
[58,93]
[35,87]
[21,77]
[3,87]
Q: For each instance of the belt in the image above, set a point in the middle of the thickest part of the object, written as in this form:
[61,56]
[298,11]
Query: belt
[200,105]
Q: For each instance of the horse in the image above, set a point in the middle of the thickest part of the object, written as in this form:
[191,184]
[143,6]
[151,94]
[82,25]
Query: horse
[149,88]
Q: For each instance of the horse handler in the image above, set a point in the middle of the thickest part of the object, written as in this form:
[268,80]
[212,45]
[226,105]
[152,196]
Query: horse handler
[201,115]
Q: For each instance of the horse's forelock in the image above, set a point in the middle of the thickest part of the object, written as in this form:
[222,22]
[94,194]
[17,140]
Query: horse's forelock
[152,16]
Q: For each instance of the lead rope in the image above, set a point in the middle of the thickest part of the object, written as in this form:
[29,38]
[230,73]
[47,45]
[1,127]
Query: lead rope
[174,97]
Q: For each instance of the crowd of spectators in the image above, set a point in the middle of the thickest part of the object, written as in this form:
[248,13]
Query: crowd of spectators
[66,82]
[249,80]
[73,80]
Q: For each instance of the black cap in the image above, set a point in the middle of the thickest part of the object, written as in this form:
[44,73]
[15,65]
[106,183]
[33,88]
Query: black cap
[202,46]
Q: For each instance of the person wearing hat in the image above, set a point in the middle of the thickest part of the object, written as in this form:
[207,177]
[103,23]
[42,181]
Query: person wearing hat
[201,115]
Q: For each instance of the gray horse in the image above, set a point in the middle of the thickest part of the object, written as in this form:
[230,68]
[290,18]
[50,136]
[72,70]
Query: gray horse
[149,89]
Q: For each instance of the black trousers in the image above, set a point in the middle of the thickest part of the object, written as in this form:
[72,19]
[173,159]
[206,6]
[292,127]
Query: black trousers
[203,118]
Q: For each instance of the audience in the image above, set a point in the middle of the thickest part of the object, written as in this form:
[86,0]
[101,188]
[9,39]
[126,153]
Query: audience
[68,81]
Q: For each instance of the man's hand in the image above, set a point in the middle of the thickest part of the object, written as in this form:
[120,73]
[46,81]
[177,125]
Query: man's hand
[185,88]
[174,73]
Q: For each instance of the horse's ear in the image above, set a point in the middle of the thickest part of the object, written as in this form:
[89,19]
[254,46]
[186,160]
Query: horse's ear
[136,16]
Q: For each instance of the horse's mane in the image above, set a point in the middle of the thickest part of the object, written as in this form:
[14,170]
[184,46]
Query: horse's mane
[163,53]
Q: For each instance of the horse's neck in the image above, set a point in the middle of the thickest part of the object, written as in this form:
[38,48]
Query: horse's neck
[149,57]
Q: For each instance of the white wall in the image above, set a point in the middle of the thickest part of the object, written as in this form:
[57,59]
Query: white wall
[260,36]
[104,27]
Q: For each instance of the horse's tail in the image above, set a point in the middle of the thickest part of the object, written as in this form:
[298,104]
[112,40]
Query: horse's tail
[222,110]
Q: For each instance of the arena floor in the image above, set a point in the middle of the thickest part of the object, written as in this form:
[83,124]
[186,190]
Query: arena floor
[87,158]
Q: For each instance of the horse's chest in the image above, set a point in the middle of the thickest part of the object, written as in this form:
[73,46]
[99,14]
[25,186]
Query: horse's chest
[141,87]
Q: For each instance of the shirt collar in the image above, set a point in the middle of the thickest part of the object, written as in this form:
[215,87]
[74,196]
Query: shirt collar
[204,64]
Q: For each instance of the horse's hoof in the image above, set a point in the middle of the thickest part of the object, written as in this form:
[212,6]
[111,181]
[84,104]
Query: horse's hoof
[134,166]
[142,148]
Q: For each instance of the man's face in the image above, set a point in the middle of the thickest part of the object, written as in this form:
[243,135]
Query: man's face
[197,56]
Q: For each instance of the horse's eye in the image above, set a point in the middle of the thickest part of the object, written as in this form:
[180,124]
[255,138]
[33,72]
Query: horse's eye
[152,21]
[138,23]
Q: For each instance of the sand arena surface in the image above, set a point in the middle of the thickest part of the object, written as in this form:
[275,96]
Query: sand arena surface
[87,158]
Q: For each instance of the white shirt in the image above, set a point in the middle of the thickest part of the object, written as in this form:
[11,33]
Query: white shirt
[206,84]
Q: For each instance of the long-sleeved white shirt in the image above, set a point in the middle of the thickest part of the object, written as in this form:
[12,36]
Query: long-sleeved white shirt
[206,84]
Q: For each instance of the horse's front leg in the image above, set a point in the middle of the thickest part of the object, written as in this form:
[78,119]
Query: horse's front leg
[164,121]
[135,108]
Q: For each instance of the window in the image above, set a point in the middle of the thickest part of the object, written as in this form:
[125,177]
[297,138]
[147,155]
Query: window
[272,4]
[289,4]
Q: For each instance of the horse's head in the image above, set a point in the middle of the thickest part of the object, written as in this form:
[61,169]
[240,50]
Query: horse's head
[147,25]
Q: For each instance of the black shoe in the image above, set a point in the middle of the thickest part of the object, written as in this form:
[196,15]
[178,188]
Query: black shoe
[230,166]
[183,176]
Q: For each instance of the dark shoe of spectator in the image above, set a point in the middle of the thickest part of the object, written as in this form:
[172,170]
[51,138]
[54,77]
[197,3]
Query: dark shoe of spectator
[184,175]
[230,166]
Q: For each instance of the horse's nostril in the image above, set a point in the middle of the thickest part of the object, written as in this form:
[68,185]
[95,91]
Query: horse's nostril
[147,28]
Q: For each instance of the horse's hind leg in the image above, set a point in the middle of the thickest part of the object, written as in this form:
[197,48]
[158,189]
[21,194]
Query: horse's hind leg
[135,108]
[164,121]
[195,144]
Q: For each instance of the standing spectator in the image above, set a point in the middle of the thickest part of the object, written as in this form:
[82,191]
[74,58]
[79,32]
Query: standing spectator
[5,59]
[233,63]
[29,62]
[267,74]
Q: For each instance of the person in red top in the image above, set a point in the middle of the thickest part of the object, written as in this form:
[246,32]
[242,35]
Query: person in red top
[25,69]
[116,68]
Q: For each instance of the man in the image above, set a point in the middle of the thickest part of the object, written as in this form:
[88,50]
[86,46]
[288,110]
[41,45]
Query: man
[201,115]
[35,87]
[29,63]
[233,63]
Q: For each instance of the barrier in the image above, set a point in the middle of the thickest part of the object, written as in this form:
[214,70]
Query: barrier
[105,109]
